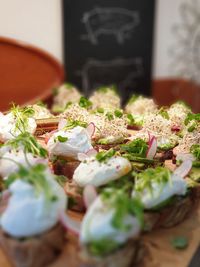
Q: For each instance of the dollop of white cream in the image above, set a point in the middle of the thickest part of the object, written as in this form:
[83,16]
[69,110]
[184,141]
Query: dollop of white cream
[78,142]
[29,214]
[161,192]
[8,130]
[11,159]
[97,224]
[98,173]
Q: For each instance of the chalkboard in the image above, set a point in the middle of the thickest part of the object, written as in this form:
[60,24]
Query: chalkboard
[109,42]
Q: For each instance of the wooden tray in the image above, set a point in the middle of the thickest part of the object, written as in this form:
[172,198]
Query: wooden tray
[26,73]
[158,249]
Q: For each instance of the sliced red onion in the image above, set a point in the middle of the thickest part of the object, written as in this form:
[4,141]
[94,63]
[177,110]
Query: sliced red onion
[185,156]
[152,148]
[70,224]
[62,124]
[184,168]
[5,195]
[48,136]
[91,129]
[175,128]
[91,152]
[89,195]
[82,156]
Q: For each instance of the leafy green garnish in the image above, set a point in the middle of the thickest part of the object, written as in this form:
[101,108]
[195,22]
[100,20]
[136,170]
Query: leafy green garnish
[41,104]
[29,144]
[118,113]
[61,139]
[72,124]
[134,120]
[137,147]
[106,89]
[166,147]
[123,205]
[36,176]
[191,117]
[145,179]
[163,112]
[84,102]
[180,242]
[133,99]
[21,116]
[105,155]
[69,86]
[68,105]
[100,110]
[102,247]
[110,116]
[195,150]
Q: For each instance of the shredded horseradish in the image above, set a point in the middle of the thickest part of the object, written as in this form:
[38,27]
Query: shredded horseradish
[65,94]
[141,106]
[189,139]
[177,114]
[108,99]
[75,112]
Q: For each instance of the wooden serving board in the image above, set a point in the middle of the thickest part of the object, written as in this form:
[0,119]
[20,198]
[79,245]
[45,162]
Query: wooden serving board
[158,249]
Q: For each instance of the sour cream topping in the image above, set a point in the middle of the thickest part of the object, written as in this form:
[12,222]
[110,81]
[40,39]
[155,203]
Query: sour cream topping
[8,130]
[78,141]
[98,173]
[9,163]
[97,224]
[161,192]
[29,214]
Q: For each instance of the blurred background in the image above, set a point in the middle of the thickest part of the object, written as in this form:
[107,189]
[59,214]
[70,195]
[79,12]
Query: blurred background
[160,46]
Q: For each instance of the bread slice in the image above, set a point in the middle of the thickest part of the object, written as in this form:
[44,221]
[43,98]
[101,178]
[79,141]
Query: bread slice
[74,193]
[126,256]
[66,168]
[170,215]
[37,251]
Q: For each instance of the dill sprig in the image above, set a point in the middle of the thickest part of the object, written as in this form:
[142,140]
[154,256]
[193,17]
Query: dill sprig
[29,144]
[36,176]
[147,178]
[21,116]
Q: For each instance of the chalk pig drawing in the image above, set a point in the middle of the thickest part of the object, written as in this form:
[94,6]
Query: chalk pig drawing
[115,21]
[120,71]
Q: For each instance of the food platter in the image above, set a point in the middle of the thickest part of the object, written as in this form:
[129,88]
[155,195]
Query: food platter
[164,226]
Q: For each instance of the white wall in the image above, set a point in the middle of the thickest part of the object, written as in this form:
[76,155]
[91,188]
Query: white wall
[39,22]
[34,21]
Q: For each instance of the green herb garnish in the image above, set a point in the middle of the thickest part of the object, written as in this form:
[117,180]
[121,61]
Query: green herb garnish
[110,116]
[118,113]
[100,110]
[36,176]
[106,89]
[29,144]
[191,117]
[72,124]
[123,205]
[21,116]
[102,247]
[133,99]
[105,155]
[84,102]
[137,147]
[180,242]
[195,150]
[61,139]
[163,112]
[68,105]
[145,179]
